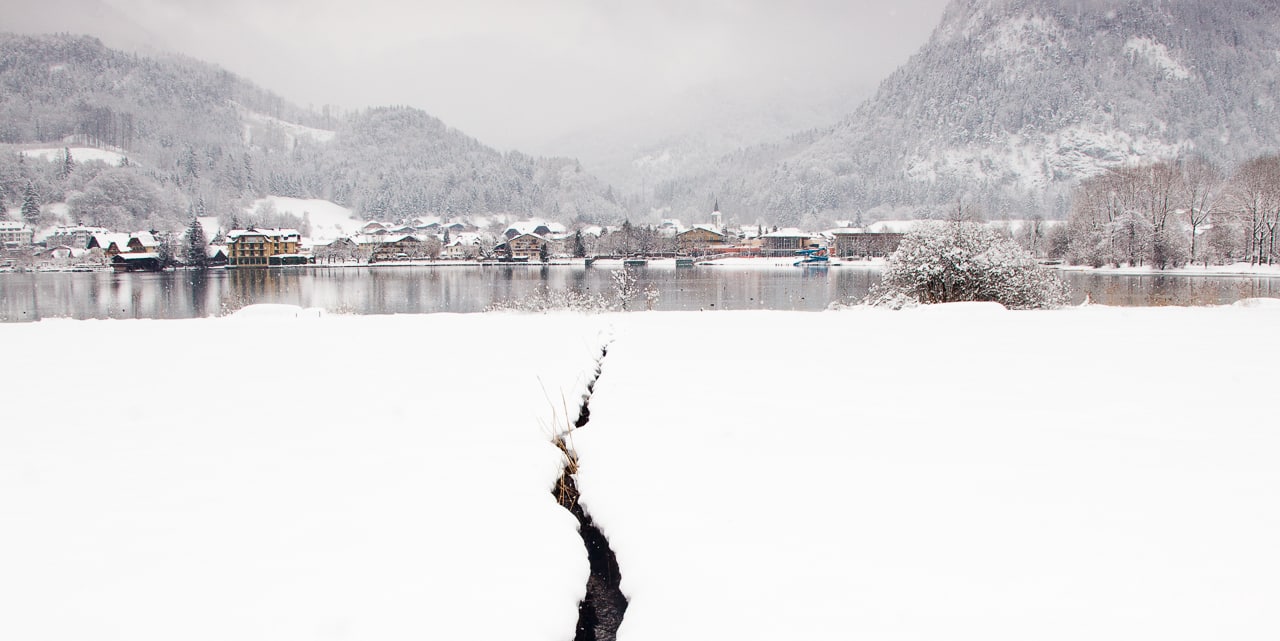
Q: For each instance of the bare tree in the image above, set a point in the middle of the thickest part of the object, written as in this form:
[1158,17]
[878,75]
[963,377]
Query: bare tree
[1255,193]
[1200,185]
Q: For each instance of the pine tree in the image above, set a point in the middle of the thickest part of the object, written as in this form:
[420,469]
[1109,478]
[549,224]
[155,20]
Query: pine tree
[579,247]
[165,250]
[193,249]
[68,164]
[30,205]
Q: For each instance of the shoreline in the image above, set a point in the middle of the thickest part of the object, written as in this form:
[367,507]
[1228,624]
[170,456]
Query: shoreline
[1242,270]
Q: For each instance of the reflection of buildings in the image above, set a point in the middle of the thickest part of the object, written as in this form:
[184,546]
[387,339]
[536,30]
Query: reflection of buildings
[262,247]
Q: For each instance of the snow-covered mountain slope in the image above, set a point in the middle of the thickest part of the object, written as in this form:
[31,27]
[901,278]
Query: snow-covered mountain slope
[206,140]
[1013,100]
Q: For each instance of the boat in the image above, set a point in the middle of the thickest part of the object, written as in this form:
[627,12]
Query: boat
[684,262]
[815,257]
[635,262]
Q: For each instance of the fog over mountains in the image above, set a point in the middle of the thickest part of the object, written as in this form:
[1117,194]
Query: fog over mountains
[1007,105]
[201,140]
[1011,101]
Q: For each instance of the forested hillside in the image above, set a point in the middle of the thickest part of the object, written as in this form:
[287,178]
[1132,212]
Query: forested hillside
[1013,101]
[193,138]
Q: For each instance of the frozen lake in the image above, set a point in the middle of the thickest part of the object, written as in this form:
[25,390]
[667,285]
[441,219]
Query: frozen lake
[424,289]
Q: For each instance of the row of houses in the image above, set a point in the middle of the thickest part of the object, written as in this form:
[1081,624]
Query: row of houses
[843,242]
[376,242]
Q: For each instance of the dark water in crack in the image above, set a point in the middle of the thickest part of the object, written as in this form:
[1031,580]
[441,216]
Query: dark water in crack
[602,608]
[601,611]
[405,290]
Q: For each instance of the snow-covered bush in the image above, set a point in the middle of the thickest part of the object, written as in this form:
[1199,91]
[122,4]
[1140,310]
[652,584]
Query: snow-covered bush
[543,299]
[626,287]
[954,262]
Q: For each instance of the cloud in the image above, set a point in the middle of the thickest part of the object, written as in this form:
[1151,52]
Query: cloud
[513,72]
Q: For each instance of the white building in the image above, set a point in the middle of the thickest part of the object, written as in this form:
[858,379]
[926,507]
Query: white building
[76,236]
[14,234]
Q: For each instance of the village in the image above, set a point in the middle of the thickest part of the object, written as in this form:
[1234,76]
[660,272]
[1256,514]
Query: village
[430,240]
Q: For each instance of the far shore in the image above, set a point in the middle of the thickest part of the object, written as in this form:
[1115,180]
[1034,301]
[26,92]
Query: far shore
[786,262]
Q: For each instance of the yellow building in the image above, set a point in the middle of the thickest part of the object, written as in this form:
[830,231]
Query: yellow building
[261,247]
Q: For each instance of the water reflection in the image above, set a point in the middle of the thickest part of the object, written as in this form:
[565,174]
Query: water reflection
[1156,290]
[394,290]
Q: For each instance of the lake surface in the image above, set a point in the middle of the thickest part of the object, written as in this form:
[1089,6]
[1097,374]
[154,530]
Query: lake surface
[405,290]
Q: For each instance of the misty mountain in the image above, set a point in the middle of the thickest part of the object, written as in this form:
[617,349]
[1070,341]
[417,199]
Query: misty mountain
[199,139]
[95,17]
[700,127]
[1012,101]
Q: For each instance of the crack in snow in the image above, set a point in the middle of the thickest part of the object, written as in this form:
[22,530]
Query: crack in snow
[600,612]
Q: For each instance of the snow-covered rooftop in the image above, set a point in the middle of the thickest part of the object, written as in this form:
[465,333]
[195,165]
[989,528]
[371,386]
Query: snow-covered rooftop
[269,233]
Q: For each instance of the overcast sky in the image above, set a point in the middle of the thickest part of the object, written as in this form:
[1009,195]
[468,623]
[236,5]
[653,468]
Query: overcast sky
[516,73]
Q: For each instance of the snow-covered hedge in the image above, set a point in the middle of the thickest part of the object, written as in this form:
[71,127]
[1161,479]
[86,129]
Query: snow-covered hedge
[954,262]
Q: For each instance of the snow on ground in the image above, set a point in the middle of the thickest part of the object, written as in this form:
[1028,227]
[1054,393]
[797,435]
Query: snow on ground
[291,129]
[1158,55]
[958,472]
[210,225]
[78,154]
[380,488]
[329,220]
[954,472]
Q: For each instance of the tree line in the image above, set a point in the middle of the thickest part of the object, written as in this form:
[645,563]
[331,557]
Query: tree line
[1174,213]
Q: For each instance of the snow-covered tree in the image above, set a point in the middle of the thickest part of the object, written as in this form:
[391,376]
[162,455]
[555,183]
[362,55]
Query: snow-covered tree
[166,252]
[194,246]
[1256,196]
[963,261]
[625,286]
[68,163]
[30,205]
[1200,185]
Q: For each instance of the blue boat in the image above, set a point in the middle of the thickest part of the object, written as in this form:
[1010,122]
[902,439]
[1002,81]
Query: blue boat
[814,257]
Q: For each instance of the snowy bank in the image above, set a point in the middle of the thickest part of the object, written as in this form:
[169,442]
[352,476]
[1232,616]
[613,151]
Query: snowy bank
[951,472]
[218,481]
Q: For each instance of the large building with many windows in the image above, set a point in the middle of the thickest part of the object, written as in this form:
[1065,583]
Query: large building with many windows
[76,237]
[14,234]
[262,247]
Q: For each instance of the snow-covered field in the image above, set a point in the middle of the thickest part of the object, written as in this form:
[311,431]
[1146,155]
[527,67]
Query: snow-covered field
[955,472]
[329,220]
[958,472]
[78,154]
[267,478]
[293,130]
